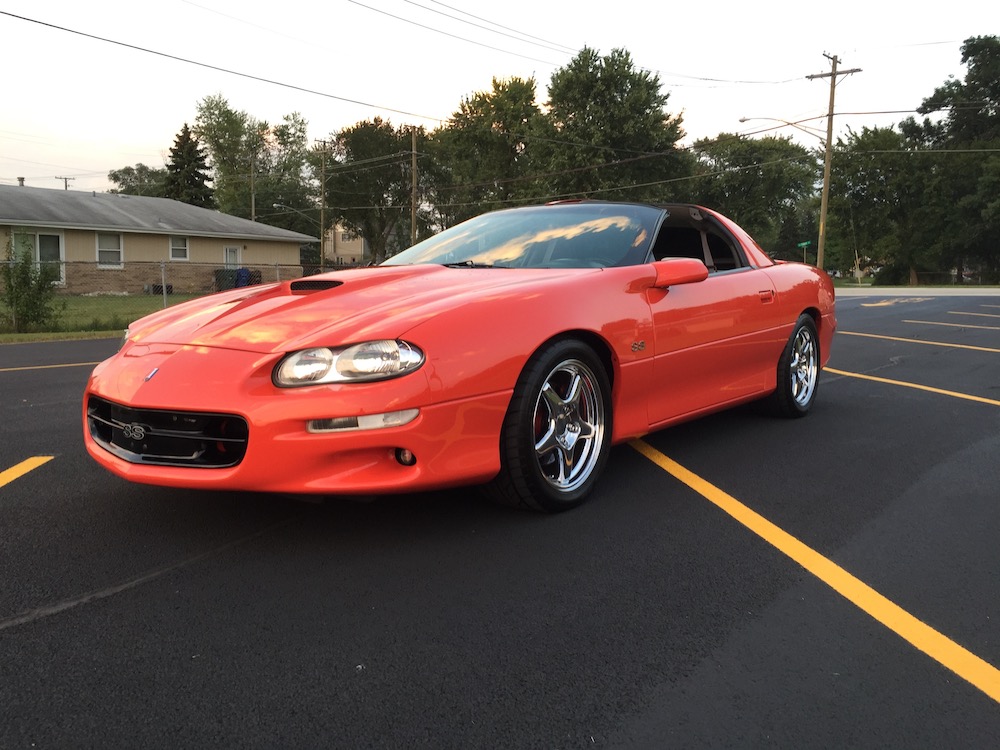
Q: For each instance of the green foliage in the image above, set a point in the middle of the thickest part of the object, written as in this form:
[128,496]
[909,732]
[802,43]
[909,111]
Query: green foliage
[481,160]
[920,198]
[369,182]
[28,293]
[606,133]
[256,165]
[923,199]
[187,172]
[139,180]
[759,182]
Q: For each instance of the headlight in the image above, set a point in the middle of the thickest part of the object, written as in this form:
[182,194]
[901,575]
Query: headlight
[360,363]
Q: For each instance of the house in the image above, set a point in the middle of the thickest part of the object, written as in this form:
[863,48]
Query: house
[345,248]
[126,244]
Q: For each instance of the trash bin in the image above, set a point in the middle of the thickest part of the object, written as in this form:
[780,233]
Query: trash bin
[225,278]
[243,277]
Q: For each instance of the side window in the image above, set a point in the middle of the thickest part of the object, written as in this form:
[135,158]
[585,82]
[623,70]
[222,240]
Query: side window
[724,255]
[178,248]
[678,242]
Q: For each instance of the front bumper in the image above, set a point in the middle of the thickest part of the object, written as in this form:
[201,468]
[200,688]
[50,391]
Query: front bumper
[454,442]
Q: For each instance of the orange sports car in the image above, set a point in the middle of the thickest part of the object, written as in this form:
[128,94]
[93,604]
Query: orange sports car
[510,351]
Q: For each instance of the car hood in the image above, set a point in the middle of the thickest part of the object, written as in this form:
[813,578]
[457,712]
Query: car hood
[335,308]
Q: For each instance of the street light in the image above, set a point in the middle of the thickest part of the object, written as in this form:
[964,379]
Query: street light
[322,234]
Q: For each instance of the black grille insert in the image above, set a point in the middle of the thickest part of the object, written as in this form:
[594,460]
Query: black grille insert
[313,285]
[167,438]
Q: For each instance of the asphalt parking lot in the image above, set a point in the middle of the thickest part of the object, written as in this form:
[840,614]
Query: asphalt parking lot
[739,581]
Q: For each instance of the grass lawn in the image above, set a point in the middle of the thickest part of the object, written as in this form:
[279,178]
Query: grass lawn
[81,312]
[101,316]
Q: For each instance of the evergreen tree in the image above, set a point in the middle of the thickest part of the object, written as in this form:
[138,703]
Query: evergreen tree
[187,172]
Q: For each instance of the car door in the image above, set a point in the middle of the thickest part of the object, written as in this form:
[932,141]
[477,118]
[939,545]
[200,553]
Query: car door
[716,342]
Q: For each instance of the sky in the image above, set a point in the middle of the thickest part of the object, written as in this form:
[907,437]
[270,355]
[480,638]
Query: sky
[89,87]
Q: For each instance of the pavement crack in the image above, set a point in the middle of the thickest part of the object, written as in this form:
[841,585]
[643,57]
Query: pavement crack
[39,613]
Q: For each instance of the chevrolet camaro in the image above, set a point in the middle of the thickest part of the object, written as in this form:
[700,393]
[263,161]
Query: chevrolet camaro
[510,351]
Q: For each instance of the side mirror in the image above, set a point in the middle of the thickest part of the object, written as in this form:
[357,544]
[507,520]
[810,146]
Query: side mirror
[673,271]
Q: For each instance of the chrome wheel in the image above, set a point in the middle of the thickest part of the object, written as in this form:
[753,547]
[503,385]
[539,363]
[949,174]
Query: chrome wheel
[798,371]
[556,435]
[804,367]
[568,426]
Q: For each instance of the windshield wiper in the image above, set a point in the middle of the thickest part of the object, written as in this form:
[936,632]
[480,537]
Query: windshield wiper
[471,264]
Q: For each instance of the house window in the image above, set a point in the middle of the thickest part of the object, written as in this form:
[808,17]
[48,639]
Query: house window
[44,247]
[109,250]
[178,248]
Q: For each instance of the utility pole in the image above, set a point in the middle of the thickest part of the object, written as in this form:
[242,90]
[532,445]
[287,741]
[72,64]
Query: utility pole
[322,208]
[66,181]
[413,185]
[825,199]
[253,190]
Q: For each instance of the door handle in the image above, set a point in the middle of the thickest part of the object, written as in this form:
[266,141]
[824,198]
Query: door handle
[766,295]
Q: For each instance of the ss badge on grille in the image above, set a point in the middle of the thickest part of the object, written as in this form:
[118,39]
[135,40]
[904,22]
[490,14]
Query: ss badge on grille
[134,431]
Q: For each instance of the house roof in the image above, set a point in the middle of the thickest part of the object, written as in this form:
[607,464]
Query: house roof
[76,209]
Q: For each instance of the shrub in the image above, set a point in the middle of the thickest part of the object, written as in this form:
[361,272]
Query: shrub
[28,292]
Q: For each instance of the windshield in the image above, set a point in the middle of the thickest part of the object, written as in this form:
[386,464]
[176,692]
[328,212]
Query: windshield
[571,235]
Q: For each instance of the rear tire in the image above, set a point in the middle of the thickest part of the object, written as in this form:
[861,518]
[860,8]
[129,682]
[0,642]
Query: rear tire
[798,371]
[556,436]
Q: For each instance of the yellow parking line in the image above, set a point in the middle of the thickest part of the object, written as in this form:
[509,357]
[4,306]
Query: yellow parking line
[904,384]
[48,367]
[978,315]
[979,673]
[15,472]
[953,325]
[918,341]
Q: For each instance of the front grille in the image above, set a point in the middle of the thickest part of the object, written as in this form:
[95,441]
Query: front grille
[167,438]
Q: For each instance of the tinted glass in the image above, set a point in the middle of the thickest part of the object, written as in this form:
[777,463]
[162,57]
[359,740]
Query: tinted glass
[576,235]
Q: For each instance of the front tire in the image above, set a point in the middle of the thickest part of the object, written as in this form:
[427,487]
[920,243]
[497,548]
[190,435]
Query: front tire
[798,371]
[557,433]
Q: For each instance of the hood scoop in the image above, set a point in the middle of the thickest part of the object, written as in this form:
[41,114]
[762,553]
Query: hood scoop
[313,285]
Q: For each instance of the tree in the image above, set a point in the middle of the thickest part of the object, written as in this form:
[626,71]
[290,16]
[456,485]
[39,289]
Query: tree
[369,182]
[139,180]
[255,165]
[760,182]
[972,104]
[224,131]
[879,201]
[963,188]
[481,157]
[187,172]
[606,132]
[28,290]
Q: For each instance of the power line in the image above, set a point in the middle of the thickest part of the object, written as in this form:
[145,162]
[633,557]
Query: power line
[453,36]
[248,76]
[519,38]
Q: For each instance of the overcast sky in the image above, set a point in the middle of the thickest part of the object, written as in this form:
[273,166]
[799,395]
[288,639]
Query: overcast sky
[76,104]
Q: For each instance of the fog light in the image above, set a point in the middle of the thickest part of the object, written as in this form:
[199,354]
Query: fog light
[405,457]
